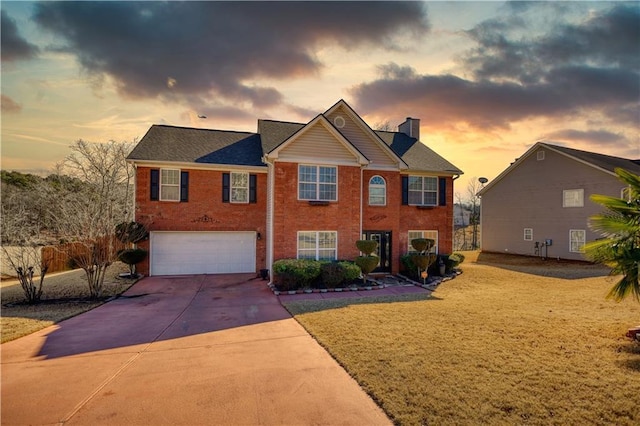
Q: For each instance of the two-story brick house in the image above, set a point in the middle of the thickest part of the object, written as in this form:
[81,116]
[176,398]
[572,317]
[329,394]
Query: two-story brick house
[224,202]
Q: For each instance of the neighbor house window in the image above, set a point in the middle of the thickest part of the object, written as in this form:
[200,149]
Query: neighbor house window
[318,245]
[540,155]
[317,183]
[170,184]
[577,239]
[423,190]
[239,187]
[377,191]
[432,235]
[573,198]
[528,234]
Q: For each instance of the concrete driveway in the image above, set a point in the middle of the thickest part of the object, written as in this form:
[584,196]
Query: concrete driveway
[192,350]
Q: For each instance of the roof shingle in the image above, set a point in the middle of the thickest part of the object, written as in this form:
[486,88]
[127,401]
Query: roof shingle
[190,145]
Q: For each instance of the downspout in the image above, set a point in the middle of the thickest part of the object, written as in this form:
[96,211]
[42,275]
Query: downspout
[453,219]
[269,242]
[135,190]
[361,198]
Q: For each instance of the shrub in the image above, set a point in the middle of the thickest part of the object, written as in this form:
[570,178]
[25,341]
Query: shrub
[292,274]
[422,244]
[351,271]
[132,257]
[332,274]
[367,246]
[131,232]
[367,264]
[408,268]
[338,274]
[460,256]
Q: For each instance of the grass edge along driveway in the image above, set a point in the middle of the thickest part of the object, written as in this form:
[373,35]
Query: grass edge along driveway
[503,343]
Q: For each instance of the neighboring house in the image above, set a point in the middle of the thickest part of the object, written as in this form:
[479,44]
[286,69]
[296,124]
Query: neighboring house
[461,216]
[226,202]
[540,204]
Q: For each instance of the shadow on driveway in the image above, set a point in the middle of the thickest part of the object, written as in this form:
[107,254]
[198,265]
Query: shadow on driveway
[164,308]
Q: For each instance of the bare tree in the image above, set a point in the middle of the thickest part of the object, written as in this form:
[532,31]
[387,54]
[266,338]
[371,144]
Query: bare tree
[384,125]
[88,215]
[460,226]
[21,238]
[473,187]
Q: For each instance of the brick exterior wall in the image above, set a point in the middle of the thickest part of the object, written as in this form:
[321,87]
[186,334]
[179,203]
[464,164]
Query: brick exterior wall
[292,215]
[204,211]
[401,219]
[438,218]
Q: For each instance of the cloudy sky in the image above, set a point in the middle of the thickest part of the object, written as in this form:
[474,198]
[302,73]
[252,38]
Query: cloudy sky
[487,79]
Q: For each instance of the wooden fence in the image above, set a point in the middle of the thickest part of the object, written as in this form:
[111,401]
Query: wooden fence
[58,257]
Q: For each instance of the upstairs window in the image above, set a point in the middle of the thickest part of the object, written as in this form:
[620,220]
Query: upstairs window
[573,198]
[528,234]
[317,183]
[377,191]
[423,190]
[239,187]
[169,184]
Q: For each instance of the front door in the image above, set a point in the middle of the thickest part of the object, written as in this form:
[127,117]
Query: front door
[384,248]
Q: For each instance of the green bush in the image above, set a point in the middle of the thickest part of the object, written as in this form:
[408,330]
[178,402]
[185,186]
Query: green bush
[132,257]
[459,256]
[338,274]
[367,264]
[422,244]
[367,246]
[292,274]
[351,271]
[407,267]
[332,274]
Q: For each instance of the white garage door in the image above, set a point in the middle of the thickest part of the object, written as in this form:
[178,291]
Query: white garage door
[185,253]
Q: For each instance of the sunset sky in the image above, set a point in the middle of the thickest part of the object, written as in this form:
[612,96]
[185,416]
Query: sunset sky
[487,79]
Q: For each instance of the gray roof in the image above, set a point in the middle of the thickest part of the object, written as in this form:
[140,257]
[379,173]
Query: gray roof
[417,155]
[190,145]
[606,162]
[273,133]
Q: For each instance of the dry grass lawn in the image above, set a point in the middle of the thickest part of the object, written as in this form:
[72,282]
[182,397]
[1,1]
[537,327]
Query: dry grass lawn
[510,341]
[64,295]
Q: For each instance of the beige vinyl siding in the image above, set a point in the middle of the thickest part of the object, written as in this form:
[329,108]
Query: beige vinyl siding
[317,143]
[532,196]
[361,140]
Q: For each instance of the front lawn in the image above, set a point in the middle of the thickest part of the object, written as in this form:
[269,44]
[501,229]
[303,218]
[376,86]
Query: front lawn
[64,295]
[506,342]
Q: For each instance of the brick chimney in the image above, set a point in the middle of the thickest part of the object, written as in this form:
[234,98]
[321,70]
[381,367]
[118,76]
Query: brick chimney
[411,127]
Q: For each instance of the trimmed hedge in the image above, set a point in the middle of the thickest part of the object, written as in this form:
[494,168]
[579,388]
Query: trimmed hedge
[291,274]
[294,274]
[367,246]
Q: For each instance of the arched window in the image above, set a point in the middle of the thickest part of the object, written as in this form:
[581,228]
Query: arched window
[377,191]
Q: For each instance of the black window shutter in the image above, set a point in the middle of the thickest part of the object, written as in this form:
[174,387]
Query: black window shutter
[253,192]
[405,190]
[155,185]
[225,187]
[184,186]
[442,192]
